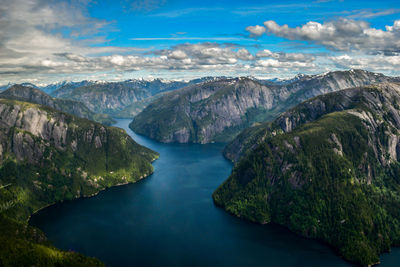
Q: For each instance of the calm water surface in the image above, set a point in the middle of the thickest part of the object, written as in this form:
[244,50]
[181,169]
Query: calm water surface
[169,219]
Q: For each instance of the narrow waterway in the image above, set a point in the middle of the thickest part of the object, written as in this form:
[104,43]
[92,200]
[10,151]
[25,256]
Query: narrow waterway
[169,219]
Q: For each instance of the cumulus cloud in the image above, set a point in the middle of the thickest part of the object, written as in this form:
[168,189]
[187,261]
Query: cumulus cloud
[35,33]
[341,35]
[31,31]
[207,53]
[197,57]
[255,30]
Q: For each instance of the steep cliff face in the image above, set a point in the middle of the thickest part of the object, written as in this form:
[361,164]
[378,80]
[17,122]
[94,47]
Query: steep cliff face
[307,111]
[327,169]
[107,97]
[202,113]
[217,111]
[33,95]
[48,156]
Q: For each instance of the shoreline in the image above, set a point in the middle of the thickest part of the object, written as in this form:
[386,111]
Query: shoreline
[286,228]
[89,196]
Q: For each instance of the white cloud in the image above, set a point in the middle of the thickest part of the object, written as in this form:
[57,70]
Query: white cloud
[388,64]
[177,54]
[342,35]
[256,30]
[274,63]
[244,54]
[191,57]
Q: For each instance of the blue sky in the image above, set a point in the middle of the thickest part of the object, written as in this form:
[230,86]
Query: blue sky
[48,41]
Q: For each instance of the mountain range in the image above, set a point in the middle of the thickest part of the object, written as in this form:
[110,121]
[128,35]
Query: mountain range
[216,111]
[121,99]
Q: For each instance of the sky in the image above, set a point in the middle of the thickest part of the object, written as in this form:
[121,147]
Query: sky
[44,41]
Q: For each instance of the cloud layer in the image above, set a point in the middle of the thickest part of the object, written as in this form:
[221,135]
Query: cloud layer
[43,38]
[338,35]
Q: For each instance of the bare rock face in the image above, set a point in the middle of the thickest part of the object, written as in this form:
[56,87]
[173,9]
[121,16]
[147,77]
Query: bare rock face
[217,111]
[33,95]
[382,98]
[27,131]
[33,129]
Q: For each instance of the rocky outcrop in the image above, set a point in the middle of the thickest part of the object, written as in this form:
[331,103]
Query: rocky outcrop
[33,95]
[217,111]
[327,169]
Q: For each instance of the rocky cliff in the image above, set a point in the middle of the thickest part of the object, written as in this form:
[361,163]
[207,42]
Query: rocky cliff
[33,95]
[327,169]
[48,156]
[217,111]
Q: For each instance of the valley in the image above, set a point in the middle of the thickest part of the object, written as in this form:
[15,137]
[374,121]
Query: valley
[311,169]
[212,133]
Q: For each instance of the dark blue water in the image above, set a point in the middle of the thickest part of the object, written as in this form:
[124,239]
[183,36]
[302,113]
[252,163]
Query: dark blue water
[169,219]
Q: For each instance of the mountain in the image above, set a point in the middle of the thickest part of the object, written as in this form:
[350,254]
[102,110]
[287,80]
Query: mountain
[135,108]
[68,87]
[217,111]
[50,88]
[47,156]
[328,169]
[251,136]
[121,99]
[5,87]
[29,85]
[33,95]
[283,81]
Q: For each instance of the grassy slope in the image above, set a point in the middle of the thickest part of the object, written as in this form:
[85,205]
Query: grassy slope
[61,175]
[316,192]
